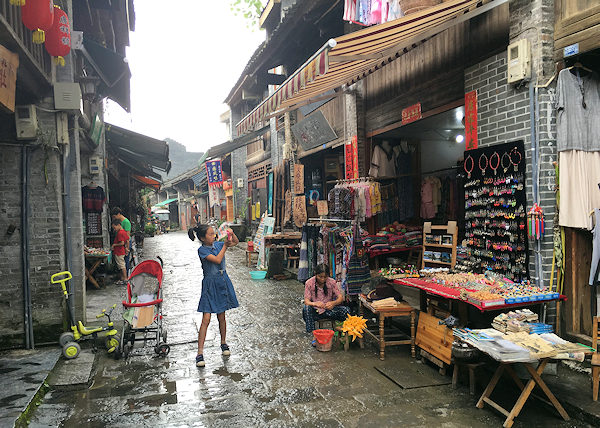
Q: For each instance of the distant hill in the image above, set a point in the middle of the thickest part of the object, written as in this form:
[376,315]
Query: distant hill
[181,159]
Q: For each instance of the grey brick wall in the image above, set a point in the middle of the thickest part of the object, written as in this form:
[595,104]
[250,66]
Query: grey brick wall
[46,236]
[504,110]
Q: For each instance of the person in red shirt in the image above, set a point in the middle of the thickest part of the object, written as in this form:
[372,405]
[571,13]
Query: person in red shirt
[118,249]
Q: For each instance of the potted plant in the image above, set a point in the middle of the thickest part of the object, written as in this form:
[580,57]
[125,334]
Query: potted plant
[150,229]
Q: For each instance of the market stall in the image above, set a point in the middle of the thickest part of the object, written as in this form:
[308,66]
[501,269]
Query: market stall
[94,257]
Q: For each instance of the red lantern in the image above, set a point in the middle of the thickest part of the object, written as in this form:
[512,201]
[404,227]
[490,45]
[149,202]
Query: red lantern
[38,16]
[17,2]
[58,37]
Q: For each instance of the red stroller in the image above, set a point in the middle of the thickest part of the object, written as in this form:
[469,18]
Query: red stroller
[142,318]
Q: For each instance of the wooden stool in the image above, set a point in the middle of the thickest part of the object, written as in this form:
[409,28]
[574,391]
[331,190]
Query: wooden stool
[472,379]
[595,358]
[249,257]
[293,262]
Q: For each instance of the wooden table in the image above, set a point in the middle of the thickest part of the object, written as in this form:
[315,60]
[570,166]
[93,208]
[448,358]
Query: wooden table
[526,390]
[402,310]
[94,260]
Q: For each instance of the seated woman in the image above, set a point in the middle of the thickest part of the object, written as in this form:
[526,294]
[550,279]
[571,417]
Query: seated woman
[322,299]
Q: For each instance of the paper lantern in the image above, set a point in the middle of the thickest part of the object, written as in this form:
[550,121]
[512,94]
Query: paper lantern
[38,16]
[58,37]
[17,2]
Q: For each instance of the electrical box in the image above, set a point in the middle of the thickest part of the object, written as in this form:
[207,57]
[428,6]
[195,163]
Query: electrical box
[62,128]
[95,164]
[67,96]
[26,122]
[519,61]
[240,182]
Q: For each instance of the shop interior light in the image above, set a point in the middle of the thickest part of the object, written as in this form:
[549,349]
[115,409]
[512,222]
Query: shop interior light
[459,138]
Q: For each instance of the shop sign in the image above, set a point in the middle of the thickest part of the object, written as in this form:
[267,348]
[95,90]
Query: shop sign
[9,63]
[322,208]
[214,173]
[471,120]
[270,194]
[571,50]
[213,196]
[411,114]
[351,158]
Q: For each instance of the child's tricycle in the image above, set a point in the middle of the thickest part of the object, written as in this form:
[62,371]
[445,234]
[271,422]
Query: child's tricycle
[68,340]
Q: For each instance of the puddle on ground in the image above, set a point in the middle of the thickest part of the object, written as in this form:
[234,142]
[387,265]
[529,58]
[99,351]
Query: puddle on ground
[222,371]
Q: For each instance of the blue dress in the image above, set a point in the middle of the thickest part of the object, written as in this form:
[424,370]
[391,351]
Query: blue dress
[218,294]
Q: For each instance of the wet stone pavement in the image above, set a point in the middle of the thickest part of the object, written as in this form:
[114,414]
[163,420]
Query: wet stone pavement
[273,377]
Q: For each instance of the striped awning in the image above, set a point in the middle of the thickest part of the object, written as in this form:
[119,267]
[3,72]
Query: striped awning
[351,57]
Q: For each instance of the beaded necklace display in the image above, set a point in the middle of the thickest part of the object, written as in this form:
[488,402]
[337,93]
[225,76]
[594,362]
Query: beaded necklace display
[468,171]
[515,164]
[495,156]
[508,161]
[483,168]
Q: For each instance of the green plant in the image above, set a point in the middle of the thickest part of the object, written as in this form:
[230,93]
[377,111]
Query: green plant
[244,208]
[149,229]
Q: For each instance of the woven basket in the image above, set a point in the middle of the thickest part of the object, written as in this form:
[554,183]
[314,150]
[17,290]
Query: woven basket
[413,6]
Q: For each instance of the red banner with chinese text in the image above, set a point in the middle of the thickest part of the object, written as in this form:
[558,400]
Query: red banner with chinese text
[411,114]
[471,120]
[351,158]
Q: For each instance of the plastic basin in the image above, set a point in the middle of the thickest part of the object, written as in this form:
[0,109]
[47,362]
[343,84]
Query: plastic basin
[324,338]
[258,274]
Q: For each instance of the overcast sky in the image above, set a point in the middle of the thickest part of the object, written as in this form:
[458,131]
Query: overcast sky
[185,57]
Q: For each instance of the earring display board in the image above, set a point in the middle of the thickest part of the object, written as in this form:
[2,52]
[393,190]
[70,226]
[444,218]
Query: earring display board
[495,216]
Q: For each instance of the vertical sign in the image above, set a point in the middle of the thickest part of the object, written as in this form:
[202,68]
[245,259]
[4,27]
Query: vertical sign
[351,158]
[214,173]
[270,194]
[471,120]
[411,114]
[9,63]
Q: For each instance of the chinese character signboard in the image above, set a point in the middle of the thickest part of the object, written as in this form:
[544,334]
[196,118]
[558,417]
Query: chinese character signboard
[213,170]
[9,63]
[471,120]
[411,114]
[351,158]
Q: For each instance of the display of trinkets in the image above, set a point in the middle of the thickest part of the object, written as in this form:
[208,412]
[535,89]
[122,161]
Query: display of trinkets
[495,210]
[397,272]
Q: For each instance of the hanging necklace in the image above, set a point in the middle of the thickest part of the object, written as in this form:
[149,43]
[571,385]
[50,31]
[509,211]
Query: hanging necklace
[516,152]
[581,88]
[483,168]
[494,156]
[506,156]
[468,171]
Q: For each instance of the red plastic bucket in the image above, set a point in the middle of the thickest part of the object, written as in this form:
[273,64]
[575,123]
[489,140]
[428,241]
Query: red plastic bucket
[324,338]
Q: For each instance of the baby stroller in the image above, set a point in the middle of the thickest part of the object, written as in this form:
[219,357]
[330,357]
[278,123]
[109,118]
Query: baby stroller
[142,318]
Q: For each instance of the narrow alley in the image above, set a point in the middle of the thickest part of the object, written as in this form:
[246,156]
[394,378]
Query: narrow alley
[273,376]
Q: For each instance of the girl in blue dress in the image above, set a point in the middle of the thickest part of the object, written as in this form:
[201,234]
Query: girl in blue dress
[217,294]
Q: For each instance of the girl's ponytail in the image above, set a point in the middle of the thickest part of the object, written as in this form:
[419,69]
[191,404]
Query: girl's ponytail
[191,234]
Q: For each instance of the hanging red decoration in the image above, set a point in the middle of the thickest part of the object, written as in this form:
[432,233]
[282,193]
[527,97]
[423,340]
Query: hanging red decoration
[17,2]
[38,16]
[58,37]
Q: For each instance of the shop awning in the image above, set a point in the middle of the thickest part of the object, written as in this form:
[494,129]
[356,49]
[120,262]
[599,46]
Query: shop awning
[165,202]
[138,148]
[351,57]
[230,146]
[112,69]
[147,181]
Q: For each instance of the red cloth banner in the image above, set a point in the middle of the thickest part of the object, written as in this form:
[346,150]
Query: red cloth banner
[411,114]
[471,120]
[351,158]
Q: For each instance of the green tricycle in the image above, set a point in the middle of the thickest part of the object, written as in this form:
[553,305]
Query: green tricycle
[68,340]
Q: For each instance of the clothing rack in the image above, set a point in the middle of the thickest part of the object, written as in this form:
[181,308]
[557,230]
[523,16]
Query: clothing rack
[351,180]
[331,220]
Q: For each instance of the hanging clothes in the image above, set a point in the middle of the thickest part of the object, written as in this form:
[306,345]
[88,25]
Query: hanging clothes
[93,198]
[578,105]
[579,176]
[383,164]
[427,207]
[595,268]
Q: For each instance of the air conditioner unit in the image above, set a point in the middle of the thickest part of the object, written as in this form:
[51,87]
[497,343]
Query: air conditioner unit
[519,61]
[26,122]
[67,96]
